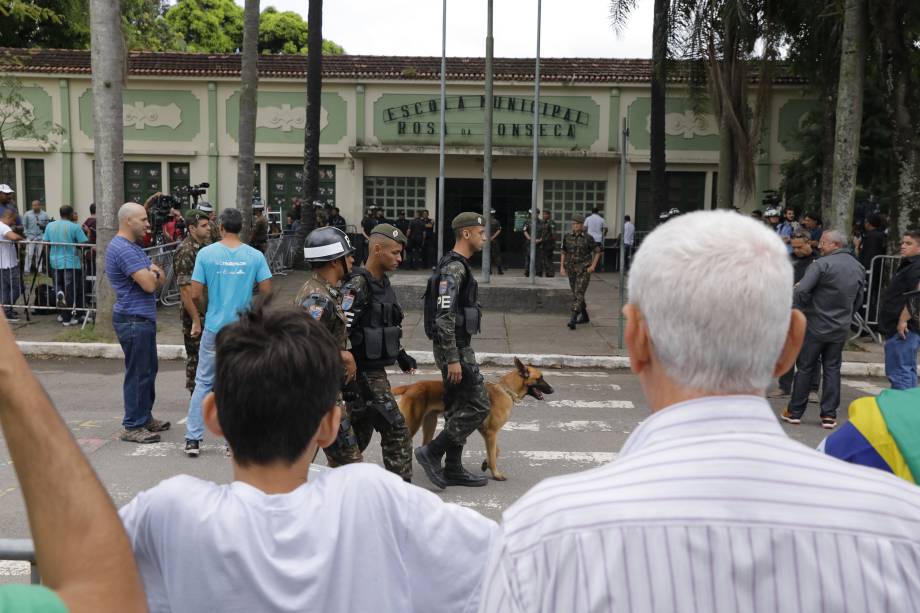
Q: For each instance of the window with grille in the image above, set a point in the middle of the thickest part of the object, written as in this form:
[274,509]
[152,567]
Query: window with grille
[285,182]
[564,198]
[8,172]
[34,174]
[178,178]
[395,195]
[142,180]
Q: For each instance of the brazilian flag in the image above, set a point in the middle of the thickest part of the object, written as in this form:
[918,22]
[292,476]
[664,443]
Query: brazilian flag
[883,432]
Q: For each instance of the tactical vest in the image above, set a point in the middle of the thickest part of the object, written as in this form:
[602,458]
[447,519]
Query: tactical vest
[376,333]
[466,308]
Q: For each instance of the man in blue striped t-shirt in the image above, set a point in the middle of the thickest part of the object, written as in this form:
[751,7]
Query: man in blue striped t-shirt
[135,281]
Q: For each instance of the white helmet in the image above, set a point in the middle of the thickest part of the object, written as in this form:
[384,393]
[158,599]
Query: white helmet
[771,213]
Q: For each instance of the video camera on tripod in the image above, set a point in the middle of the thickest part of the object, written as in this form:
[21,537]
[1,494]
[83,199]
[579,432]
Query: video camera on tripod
[163,204]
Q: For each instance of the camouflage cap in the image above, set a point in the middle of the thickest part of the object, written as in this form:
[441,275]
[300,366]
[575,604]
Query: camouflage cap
[467,220]
[578,218]
[193,215]
[390,231]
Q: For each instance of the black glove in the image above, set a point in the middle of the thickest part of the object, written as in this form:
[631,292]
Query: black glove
[406,361]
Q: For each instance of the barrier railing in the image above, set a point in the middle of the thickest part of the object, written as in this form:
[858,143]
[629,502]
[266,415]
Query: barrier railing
[46,278]
[882,269]
[20,550]
[163,256]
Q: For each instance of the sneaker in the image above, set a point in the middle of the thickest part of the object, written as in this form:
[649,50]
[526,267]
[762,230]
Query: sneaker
[60,319]
[70,322]
[139,435]
[191,448]
[814,398]
[61,300]
[787,417]
[156,425]
[828,423]
[12,317]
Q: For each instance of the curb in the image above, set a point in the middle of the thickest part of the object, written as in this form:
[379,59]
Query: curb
[177,352]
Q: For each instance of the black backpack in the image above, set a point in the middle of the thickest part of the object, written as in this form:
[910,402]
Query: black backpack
[432,292]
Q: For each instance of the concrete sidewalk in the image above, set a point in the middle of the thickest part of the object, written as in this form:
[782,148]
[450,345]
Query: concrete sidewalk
[535,333]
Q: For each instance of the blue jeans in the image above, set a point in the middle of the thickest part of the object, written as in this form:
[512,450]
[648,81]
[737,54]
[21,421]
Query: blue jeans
[901,360]
[10,288]
[138,339]
[204,381]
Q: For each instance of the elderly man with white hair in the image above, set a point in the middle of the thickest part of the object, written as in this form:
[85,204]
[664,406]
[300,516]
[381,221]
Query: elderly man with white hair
[135,281]
[829,293]
[710,506]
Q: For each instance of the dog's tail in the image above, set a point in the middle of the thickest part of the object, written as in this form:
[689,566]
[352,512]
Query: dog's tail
[399,390]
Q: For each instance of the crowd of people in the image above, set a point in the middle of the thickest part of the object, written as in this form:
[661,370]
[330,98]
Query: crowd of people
[709,505]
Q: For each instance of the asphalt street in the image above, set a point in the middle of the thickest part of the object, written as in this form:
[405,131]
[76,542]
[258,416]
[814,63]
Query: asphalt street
[583,424]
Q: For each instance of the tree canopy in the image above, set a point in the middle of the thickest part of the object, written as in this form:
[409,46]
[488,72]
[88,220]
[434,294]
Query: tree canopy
[210,26]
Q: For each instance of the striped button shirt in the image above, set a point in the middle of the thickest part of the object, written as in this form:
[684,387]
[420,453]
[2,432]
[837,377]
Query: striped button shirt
[710,507]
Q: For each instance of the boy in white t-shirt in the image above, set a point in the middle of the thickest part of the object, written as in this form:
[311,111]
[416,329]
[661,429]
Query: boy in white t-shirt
[356,538]
[10,281]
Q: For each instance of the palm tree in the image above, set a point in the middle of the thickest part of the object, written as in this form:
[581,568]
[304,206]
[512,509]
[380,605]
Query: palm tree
[661,33]
[849,114]
[249,87]
[109,69]
[312,129]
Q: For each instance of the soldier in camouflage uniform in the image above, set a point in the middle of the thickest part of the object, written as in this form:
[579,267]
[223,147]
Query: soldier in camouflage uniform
[496,248]
[199,235]
[452,316]
[546,244]
[329,253]
[579,259]
[375,328]
[259,238]
[526,230]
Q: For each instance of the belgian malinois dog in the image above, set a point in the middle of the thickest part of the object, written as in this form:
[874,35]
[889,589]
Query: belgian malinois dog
[422,402]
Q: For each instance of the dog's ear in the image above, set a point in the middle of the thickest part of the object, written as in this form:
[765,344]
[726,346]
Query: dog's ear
[521,368]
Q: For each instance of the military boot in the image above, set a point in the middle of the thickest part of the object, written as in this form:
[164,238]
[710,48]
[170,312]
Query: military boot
[584,316]
[455,474]
[429,458]
[573,320]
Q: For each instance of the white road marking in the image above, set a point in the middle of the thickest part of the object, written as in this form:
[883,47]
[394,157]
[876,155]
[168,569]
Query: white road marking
[527,426]
[488,503]
[580,425]
[601,387]
[182,421]
[592,404]
[161,450]
[864,386]
[581,457]
[11,568]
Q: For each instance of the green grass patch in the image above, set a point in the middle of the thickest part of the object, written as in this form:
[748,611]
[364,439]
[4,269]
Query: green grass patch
[78,334]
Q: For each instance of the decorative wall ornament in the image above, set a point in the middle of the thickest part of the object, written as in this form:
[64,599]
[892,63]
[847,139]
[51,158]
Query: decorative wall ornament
[140,115]
[687,124]
[287,118]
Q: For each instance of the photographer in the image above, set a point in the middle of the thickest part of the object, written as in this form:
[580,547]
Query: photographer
[34,224]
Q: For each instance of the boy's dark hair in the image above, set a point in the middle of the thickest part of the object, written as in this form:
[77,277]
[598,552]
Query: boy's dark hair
[914,234]
[92,208]
[231,220]
[278,373]
[814,216]
[875,220]
[627,218]
[66,211]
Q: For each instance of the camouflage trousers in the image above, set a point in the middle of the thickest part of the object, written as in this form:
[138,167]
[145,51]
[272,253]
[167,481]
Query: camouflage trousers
[545,258]
[191,356]
[379,411]
[466,405]
[578,283]
[344,450]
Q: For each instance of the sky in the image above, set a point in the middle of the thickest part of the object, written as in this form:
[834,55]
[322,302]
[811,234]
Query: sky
[570,28]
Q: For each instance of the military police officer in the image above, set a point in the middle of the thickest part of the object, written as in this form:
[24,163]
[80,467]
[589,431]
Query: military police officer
[496,246]
[527,233]
[198,226]
[375,329]
[546,244]
[214,227]
[452,317]
[329,253]
[579,259]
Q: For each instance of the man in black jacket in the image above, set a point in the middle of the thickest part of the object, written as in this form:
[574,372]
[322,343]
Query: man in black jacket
[894,320]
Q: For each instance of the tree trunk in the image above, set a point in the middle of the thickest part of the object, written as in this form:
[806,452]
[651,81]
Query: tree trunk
[659,178]
[849,115]
[827,163]
[314,105]
[726,185]
[249,90]
[109,67]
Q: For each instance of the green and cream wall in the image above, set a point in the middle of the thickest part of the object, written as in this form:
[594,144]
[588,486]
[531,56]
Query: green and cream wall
[388,128]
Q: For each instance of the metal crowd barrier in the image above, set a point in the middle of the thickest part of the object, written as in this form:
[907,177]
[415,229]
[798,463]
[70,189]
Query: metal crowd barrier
[20,550]
[882,269]
[163,256]
[45,278]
